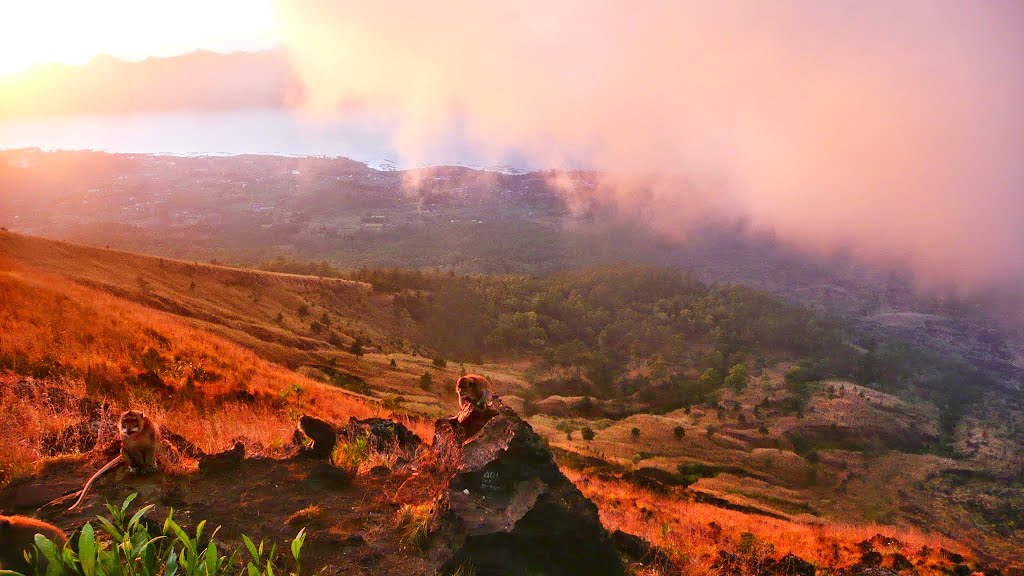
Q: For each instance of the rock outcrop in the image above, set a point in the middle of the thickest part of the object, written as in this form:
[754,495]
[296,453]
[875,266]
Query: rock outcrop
[507,508]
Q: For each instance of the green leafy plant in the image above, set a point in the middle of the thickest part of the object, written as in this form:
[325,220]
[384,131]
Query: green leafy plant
[351,454]
[123,546]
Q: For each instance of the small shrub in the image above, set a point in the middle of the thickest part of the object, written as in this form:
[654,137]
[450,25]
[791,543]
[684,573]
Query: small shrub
[635,433]
[439,362]
[350,455]
[426,381]
[356,347]
[414,520]
[587,433]
[679,432]
[753,548]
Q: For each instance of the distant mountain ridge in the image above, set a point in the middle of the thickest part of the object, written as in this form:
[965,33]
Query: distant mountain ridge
[200,80]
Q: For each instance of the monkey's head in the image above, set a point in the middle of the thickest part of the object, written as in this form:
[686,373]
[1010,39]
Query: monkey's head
[474,392]
[132,421]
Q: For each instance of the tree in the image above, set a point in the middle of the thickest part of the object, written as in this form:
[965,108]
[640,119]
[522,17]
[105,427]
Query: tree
[426,381]
[658,369]
[325,319]
[440,362]
[316,327]
[393,363]
[711,379]
[635,433]
[303,310]
[679,432]
[587,433]
[356,347]
[738,377]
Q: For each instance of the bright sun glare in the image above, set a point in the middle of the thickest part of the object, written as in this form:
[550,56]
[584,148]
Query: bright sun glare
[75,31]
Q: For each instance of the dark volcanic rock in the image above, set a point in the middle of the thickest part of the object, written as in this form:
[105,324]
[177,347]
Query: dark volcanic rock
[508,510]
[385,434]
[637,549]
[951,556]
[862,570]
[75,438]
[871,558]
[792,565]
[223,460]
[181,444]
[901,562]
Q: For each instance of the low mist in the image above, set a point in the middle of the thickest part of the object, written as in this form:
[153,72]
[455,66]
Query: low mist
[893,130]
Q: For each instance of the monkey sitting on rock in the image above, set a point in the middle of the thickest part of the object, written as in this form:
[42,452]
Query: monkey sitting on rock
[139,440]
[475,405]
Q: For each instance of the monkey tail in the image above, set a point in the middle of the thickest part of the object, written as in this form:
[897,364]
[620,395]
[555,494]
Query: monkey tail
[85,489]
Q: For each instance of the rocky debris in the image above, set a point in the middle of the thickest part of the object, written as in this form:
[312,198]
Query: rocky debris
[74,438]
[861,570]
[98,423]
[951,556]
[508,510]
[224,460]
[384,434]
[640,551]
[901,562]
[791,565]
[872,558]
[788,565]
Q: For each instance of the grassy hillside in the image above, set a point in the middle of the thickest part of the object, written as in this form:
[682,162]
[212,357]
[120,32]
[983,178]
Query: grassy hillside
[196,381]
[646,361]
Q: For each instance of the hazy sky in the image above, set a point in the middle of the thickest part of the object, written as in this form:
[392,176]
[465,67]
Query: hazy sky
[75,31]
[893,128]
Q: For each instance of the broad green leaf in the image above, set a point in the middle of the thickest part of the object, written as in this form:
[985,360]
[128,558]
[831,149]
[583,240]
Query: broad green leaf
[297,544]
[138,515]
[211,559]
[171,567]
[251,547]
[110,529]
[87,550]
[127,501]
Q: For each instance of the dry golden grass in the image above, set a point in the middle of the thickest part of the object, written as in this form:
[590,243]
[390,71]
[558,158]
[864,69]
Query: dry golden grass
[694,533]
[96,344]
